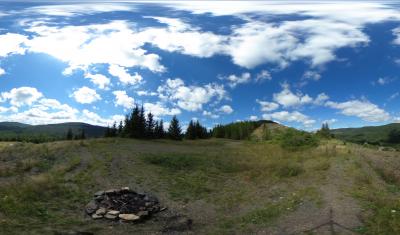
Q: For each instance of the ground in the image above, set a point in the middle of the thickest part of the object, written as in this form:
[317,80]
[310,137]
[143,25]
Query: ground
[224,186]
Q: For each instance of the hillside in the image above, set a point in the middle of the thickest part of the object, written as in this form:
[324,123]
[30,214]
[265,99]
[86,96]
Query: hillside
[223,186]
[368,134]
[10,130]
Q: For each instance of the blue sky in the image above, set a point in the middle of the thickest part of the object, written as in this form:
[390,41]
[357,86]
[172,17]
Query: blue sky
[297,63]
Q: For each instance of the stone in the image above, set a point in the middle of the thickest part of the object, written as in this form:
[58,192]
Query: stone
[110,217]
[125,189]
[91,207]
[99,193]
[97,216]
[129,217]
[113,212]
[101,211]
[142,214]
[111,191]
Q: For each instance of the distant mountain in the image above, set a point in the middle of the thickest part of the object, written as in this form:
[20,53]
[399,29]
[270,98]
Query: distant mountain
[367,134]
[10,130]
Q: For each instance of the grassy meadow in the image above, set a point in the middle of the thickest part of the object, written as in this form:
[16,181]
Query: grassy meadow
[224,186]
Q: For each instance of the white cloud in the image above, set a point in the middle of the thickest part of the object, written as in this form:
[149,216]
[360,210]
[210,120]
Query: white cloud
[124,77]
[253,118]
[234,80]
[78,9]
[21,96]
[267,106]
[321,99]
[263,75]
[330,121]
[286,116]
[396,33]
[159,110]
[362,109]
[190,98]
[146,93]
[383,81]
[11,43]
[114,43]
[394,96]
[85,95]
[210,114]
[226,109]
[311,75]
[99,79]
[122,99]
[287,98]
[2,72]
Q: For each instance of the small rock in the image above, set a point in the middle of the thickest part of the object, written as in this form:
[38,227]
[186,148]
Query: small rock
[99,193]
[147,204]
[163,209]
[125,189]
[143,214]
[110,217]
[101,211]
[97,216]
[112,191]
[129,217]
[113,212]
[91,207]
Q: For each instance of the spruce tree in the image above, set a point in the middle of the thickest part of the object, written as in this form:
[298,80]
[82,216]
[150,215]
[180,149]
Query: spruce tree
[70,135]
[142,124]
[114,130]
[150,126]
[134,123]
[191,131]
[174,129]
[159,131]
[120,128]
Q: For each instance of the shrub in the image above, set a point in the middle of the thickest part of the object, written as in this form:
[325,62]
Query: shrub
[294,139]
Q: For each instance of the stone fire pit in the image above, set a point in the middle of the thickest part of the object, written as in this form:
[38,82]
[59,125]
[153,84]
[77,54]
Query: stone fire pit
[122,205]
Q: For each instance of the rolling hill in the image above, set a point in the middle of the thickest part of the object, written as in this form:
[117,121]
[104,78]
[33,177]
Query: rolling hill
[10,130]
[367,134]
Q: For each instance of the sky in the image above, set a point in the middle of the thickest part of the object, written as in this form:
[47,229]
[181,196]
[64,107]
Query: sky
[294,62]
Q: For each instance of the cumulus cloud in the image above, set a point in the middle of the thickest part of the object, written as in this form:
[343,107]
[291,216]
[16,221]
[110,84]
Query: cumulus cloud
[85,95]
[122,99]
[362,109]
[113,43]
[158,109]
[11,43]
[263,75]
[21,96]
[234,80]
[210,114]
[253,118]
[190,98]
[123,75]
[99,79]
[285,116]
[226,109]
[146,93]
[267,106]
[2,72]
[287,98]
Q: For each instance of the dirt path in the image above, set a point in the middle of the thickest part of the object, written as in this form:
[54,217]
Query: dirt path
[339,213]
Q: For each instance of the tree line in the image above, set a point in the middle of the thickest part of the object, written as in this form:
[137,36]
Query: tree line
[138,125]
[236,130]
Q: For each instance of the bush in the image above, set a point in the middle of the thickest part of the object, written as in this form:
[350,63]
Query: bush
[294,139]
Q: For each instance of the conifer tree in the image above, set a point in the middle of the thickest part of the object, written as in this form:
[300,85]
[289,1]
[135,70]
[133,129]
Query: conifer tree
[150,126]
[120,128]
[191,131]
[174,130]
[114,130]
[83,135]
[142,124]
[70,135]
[135,122]
[159,130]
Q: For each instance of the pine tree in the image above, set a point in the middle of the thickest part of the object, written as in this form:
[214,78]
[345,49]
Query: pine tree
[127,130]
[70,135]
[150,126]
[324,132]
[142,124]
[174,130]
[159,130]
[134,123]
[114,130]
[191,131]
[107,132]
[83,135]
[120,128]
